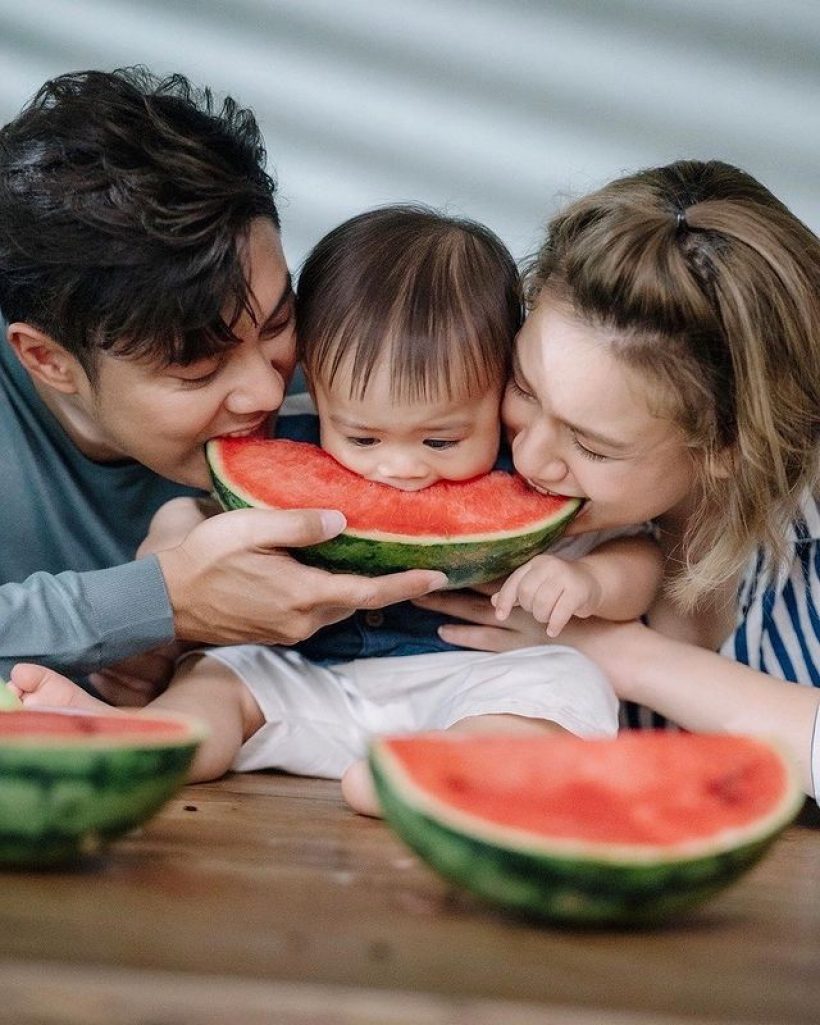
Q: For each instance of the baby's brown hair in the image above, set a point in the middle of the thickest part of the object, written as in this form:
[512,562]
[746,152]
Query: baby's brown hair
[438,295]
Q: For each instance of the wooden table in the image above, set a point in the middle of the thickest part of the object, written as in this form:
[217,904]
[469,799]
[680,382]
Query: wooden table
[262,899]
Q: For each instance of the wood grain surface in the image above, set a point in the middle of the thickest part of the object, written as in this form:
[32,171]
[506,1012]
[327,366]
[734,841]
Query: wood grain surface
[260,898]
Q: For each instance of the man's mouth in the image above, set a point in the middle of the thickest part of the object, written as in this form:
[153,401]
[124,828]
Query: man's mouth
[245,432]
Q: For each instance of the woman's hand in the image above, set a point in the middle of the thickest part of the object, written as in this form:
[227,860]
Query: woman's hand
[482,630]
[612,645]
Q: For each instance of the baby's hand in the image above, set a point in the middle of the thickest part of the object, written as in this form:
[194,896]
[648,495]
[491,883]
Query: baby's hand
[552,590]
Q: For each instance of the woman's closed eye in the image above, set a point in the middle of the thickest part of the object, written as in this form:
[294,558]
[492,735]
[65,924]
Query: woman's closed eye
[518,389]
[587,452]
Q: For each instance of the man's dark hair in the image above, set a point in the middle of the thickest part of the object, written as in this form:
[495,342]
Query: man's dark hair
[125,205]
[438,296]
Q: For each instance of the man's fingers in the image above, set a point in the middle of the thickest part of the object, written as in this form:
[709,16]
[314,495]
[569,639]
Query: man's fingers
[279,528]
[376,592]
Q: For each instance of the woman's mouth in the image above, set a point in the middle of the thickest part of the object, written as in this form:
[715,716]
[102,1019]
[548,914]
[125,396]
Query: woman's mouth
[550,494]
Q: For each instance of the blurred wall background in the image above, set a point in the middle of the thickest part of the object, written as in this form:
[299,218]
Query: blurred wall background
[498,109]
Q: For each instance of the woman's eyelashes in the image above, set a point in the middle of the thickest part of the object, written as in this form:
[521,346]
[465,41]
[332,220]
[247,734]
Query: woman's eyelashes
[587,452]
[518,389]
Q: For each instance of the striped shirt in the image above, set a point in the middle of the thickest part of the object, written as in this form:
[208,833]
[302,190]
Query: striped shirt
[778,621]
[778,627]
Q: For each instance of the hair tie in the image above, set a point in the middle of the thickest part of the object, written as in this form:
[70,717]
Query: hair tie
[680,221]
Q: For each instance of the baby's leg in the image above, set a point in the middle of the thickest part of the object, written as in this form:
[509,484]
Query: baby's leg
[357,783]
[201,688]
[209,691]
[541,689]
[37,686]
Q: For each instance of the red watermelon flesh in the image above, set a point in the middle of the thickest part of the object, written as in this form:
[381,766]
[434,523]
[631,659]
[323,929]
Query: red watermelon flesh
[624,831]
[473,530]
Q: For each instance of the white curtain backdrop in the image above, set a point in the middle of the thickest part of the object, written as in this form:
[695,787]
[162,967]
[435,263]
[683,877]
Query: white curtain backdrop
[498,110]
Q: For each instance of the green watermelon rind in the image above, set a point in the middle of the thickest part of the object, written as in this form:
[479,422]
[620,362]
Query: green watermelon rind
[59,800]
[467,562]
[553,882]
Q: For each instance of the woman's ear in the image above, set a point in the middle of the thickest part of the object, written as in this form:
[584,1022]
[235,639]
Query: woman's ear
[46,360]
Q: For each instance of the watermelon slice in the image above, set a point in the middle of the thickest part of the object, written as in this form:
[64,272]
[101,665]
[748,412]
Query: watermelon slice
[623,831]
[71,781]
[473,531]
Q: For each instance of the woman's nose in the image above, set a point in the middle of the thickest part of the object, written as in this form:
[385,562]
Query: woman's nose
[536,458]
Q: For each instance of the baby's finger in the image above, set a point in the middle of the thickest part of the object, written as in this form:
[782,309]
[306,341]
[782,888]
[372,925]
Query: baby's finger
[505,599]
[562,613]
[543,600]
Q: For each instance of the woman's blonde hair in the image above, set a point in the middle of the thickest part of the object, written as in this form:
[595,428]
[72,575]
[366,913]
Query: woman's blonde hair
[710,286]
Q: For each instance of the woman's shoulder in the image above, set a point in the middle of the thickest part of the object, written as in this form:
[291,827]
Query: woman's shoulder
[806,524]
[778,628]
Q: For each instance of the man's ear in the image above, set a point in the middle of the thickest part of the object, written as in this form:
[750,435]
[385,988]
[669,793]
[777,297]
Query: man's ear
[46,360]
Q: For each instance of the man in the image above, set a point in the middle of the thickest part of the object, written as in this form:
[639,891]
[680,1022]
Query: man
[147,308]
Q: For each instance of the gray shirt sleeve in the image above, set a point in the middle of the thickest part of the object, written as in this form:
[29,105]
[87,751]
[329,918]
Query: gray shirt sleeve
[78,622]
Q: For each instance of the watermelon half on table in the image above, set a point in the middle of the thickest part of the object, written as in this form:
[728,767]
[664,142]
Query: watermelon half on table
[624,831]
[71,781]
[474,531]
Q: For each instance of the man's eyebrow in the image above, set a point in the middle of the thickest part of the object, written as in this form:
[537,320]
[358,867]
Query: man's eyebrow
[285,297]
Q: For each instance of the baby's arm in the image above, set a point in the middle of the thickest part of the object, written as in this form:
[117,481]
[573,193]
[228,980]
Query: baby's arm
[172,523]
[616,581]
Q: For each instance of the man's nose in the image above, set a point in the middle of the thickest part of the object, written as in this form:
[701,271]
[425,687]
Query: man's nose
[260,387]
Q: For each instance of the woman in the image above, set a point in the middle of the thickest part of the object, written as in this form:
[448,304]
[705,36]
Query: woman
[669,370]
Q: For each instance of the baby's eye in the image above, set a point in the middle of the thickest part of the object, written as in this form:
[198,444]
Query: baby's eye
[441,442]
[363,442]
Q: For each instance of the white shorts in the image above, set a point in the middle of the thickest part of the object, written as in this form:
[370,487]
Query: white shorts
[319,719]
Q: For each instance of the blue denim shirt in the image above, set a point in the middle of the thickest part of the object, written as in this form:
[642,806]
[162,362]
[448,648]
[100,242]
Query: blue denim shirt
[402,629]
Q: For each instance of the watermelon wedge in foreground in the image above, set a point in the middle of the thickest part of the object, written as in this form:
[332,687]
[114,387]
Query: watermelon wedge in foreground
[72,781]
[624,831]
[473,531]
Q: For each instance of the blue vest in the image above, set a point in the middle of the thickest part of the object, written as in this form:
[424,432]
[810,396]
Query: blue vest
[402,629]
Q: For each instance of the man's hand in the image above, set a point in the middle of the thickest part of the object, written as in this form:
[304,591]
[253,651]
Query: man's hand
[230,582]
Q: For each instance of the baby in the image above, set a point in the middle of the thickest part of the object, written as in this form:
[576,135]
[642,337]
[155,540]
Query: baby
[406,320]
